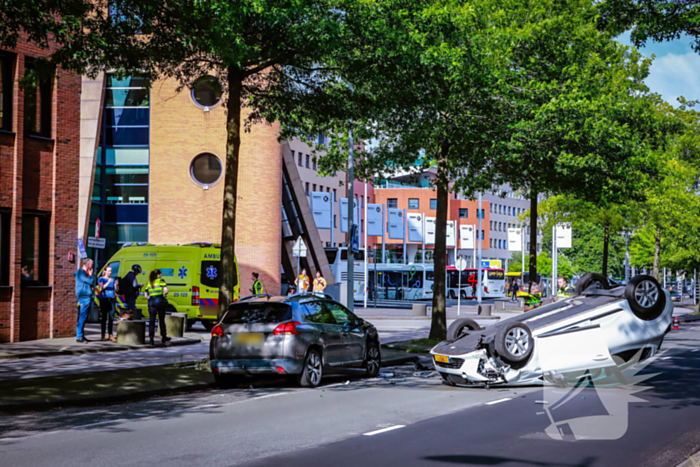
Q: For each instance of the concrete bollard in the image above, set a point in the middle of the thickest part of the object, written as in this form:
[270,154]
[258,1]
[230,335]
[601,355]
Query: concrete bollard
[175,324]
[420,309]
[485,310]
[500,305]
[131,332]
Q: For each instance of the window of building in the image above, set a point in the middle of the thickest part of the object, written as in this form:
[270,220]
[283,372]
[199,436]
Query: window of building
[335,220]
[392,203]
[433,204]
[6,89]
[205,169]
[206,91]
[464,213]
[37,107]
[334,194]
[413,203]
[307,161]
[482,234]
[307,188]
[5,248]
[299,163]
[314,162]
[328,189]
[491,243]
[314,187]
[35,249]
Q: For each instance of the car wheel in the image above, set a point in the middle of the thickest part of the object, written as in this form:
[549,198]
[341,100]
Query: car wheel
[312,372]
[226,381]
[514,342]
[208,324]
[452,294]
[591,279]
[463,294]
[645,297]
[373,360]
[461,327]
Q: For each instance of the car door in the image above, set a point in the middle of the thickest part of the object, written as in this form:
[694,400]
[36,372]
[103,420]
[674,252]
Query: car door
[330,334]
[352,335]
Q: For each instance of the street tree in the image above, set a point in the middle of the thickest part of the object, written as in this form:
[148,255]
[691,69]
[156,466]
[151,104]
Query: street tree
[254,47]
[580,118]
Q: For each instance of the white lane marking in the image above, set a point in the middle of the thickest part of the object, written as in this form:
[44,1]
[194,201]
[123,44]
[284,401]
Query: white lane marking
[499,401]
[383,430]
[100,423]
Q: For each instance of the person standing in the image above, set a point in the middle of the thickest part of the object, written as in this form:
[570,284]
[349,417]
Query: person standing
[258,288]
[83,290]
[514,291]
[129,287]
[319,283]
[302,282]
[156,290]
[105,286]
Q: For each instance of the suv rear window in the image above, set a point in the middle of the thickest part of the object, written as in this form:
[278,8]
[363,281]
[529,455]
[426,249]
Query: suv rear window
[258,313]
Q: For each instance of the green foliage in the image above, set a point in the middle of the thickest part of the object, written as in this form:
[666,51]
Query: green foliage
[658,20]
[544,262]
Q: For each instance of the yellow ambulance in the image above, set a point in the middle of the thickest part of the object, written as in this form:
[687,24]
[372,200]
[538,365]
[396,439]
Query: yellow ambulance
[192,272]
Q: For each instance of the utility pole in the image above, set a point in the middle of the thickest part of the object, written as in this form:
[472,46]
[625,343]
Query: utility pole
[555,265]
[351,218]
[627,257]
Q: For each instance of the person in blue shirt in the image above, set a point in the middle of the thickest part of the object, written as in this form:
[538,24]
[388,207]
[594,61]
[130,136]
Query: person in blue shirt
[83,290]
[105,286]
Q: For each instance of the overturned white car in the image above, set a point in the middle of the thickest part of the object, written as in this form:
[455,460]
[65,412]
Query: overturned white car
[601,328]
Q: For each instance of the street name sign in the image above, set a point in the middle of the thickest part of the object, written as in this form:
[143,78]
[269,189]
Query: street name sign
[98,243]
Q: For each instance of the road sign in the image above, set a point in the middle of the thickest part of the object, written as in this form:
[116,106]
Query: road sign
[81,249]
[299,249]
[370,253]
[355,236]
[98,243]
[461,264]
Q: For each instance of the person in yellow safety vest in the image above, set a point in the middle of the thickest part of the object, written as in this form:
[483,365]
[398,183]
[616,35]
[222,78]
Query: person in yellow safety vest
[562,291]
[258,288]
[302,282]
[319,283]
[156,290]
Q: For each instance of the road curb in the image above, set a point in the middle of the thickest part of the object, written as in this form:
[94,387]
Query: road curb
[86,349]
[688,318]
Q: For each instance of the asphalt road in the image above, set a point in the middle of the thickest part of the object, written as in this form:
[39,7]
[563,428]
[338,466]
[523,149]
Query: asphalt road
[276,423]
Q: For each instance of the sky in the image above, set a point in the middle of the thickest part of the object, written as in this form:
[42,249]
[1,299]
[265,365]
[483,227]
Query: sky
[675,70]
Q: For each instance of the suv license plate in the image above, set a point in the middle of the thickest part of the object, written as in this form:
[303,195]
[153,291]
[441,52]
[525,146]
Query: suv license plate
[249,338]
[442,359]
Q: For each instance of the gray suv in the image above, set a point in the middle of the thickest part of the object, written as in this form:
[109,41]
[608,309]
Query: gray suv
[305,336]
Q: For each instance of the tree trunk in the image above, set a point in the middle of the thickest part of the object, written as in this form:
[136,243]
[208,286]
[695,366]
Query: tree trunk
[657,253]
[228,221]
[533,241]
[606,241]
[438,325]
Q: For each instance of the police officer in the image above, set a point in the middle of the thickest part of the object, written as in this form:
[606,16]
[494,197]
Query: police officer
[257,285]
[156,290]
[562,291]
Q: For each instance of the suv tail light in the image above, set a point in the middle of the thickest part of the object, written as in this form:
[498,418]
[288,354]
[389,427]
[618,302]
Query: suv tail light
[217,331]
[486,289]
[195,296]
[286,328]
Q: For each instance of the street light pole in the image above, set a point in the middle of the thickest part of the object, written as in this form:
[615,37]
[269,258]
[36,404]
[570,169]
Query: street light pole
[627,257]
[478,271]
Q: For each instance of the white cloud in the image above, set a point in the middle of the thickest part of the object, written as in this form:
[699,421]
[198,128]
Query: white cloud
[675,75]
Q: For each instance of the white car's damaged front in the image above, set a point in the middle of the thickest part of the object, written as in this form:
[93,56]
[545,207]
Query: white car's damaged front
[602,327]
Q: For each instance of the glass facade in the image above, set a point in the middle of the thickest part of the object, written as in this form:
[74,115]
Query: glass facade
[120,192]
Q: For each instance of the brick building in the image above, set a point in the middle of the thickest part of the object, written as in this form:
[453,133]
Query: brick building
[159,170]
[39,161]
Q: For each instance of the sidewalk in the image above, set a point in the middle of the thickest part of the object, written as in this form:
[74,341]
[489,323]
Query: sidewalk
[68,346]
[371,313]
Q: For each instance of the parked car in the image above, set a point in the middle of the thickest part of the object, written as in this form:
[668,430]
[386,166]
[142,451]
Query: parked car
[602,327]
[675,296]
[305,336]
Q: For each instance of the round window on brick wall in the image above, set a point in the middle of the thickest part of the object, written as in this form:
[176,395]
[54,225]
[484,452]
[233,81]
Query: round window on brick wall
[205,169]
[206,91]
